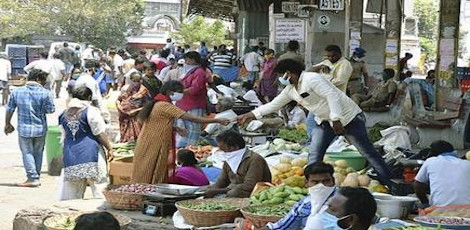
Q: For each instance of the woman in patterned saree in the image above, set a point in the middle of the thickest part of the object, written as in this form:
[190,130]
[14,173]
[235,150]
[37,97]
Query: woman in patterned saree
[129,105]
[84,139]
[155,149]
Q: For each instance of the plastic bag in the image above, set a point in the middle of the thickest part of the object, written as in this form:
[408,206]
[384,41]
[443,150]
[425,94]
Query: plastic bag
[393,137]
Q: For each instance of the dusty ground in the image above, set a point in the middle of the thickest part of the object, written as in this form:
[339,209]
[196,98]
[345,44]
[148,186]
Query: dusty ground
[11,165]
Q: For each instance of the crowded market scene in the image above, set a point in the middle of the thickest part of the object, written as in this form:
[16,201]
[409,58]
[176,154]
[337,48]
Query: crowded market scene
[235,114]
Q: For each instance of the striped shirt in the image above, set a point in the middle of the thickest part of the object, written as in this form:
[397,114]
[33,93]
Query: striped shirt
[222,61]
[33,102]
[296,218]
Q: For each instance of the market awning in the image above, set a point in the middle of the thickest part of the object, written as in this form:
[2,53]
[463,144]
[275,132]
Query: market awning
[226,9]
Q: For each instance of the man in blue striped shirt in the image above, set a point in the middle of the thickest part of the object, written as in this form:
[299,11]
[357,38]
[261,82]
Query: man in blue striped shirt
[33,102]
[316,173]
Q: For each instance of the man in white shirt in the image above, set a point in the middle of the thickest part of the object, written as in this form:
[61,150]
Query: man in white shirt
[117,72]
[44,65]
[87,80]
[446,175]
[252,62]
[337,69]
[5,73]
[58,72]
[335,113]
[138,67]
[250,95]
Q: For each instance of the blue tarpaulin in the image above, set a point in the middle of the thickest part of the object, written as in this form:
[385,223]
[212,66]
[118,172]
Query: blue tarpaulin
[229,75]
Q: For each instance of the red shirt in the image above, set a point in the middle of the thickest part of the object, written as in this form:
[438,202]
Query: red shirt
[195,81]
[161,63]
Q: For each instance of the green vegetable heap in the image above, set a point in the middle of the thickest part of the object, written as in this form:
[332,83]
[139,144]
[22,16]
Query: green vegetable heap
[67,223]
[293,135]
[123,149]
[276,210]
[279,195]
[210,207]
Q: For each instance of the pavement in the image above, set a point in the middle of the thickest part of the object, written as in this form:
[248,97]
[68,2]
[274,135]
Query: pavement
[15,198]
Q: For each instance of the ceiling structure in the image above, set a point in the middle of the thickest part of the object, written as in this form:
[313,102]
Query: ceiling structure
[225,9]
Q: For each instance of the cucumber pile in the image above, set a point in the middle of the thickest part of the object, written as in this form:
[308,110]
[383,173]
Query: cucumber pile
[123,149]
[279,195]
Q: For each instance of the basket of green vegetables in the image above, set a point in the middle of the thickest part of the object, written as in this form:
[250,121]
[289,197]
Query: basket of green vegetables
[260,215]
[211,212]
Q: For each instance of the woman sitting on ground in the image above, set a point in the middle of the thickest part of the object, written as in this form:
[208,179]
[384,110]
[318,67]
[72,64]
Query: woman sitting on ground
[189,173]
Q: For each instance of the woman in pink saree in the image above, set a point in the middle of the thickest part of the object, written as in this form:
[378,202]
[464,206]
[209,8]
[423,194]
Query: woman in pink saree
[189,173]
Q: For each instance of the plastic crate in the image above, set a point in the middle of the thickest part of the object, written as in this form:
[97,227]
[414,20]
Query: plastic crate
[17,52]
[464,85]
[18,62]
[17,71]
[463,73]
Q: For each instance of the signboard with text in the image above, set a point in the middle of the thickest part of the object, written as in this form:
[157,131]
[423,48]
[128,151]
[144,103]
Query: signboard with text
[290,29]
[331,5]
[290,7]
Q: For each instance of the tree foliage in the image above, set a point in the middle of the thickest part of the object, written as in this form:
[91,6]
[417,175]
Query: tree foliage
[427,12]
[101,22]
[198,30]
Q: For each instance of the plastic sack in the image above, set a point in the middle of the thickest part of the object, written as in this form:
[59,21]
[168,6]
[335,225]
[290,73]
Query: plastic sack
[340,144]
[393,137]
[254,125]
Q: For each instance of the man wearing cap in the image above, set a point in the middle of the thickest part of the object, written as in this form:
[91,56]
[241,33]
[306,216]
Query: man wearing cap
[358,84]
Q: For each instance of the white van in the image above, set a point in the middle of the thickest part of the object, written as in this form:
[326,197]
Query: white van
[55,46]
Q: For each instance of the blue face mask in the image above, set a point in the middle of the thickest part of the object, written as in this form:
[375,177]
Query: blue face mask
[285,81]
[187,68]
[330,222]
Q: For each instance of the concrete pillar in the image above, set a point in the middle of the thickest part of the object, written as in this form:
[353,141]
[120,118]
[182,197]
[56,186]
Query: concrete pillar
[392,33]
[355,10]
[448,47]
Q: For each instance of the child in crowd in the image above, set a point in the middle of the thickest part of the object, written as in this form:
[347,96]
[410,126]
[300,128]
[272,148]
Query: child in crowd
[189,173]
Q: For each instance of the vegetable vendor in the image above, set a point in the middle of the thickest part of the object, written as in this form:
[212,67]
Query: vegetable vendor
[293,115]
[316,174]
[446,175]
[335,113]
[242,168]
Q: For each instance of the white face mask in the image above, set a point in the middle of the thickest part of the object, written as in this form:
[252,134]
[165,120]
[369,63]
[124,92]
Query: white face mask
[358,59]
[176,96]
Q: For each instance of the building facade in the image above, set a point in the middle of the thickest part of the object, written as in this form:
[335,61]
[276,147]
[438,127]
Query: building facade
[161,18]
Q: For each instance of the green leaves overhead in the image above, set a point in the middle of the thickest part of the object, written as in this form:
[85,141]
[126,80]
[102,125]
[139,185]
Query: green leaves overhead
[198,30]
[100,22]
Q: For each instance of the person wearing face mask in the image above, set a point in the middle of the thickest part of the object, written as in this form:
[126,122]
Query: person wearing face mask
[382,95]
[321,184]
[84,143]
[349,209]
[188,173]
[335,113]
[128,108]
[242,168]
[155,148]
[427,85]
[268,80]
[359,77]
[194,100]
[337,70]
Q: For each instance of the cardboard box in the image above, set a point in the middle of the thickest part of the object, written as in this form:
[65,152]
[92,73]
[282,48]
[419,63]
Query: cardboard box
[120,171]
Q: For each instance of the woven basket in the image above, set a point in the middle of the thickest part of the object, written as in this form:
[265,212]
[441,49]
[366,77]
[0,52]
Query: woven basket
[211,218]
[51,221]
[259,221]
[123,201]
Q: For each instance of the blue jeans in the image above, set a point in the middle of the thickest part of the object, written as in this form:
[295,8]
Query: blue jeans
[252,76]
[311,124]
[194,130]
[32,149]
[356,133]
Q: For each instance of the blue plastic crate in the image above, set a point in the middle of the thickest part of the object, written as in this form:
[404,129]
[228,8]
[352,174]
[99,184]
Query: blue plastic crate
[463,73]
[18,62]
[17,71]
[17,52]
